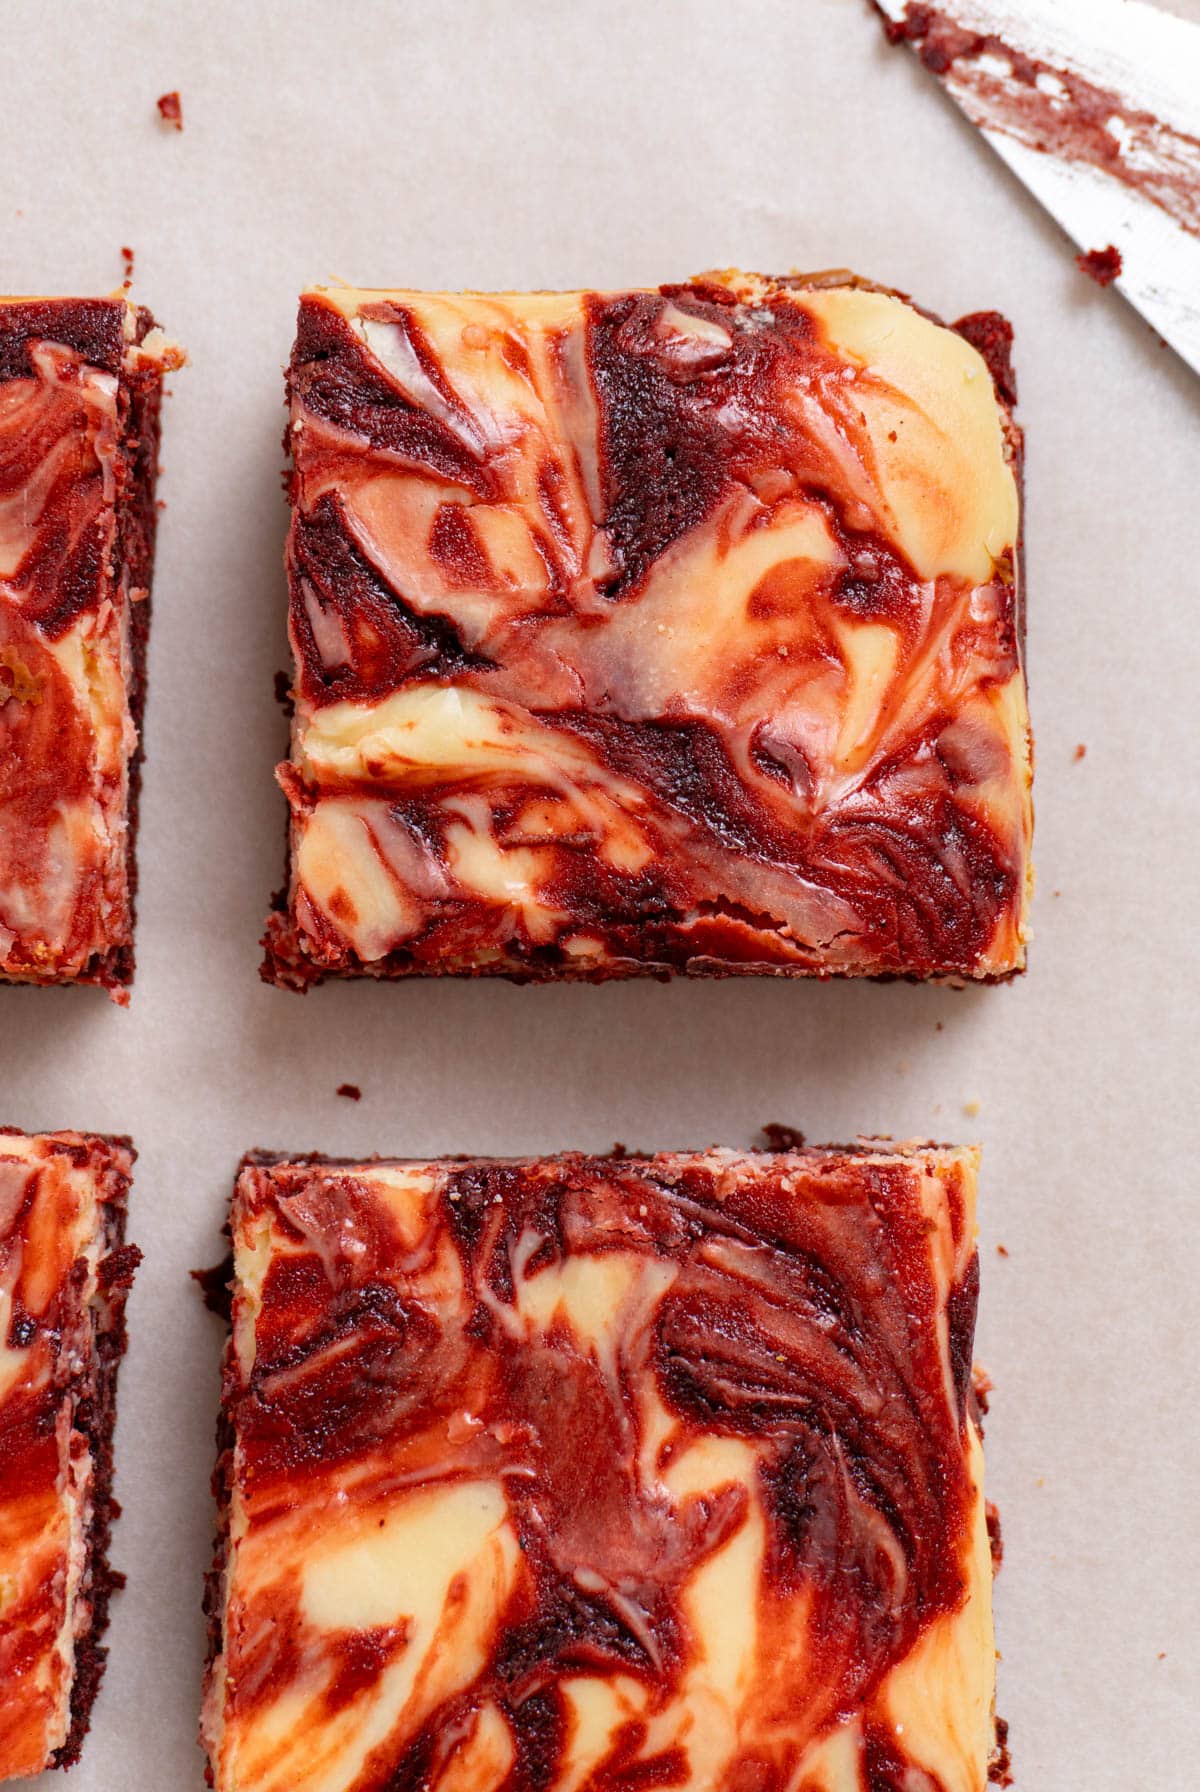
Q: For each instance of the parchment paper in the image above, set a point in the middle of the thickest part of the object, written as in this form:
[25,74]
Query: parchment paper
[554,143]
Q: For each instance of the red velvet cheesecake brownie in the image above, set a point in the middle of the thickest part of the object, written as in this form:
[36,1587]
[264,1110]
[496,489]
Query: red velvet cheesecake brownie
[603,1472]
[64,1274]
[80,390]
[653,631]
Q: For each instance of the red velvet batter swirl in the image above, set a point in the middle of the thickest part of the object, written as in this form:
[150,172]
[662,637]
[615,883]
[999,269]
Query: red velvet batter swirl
[46,759]
[57,451]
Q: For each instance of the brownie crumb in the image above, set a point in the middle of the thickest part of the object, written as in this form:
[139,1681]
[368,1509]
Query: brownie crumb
[1101,265]
[127,258]
[782,1138]
[1002,1250]
[941,41]
[350,1091]
[283,693]
[991,335]
[1000,1770]
[1080,752]
[215,1285]
[913,24]
[117,1269]
[170,109]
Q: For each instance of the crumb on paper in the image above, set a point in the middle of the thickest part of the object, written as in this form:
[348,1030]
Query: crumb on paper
[1162,1655]
[170,109]
[349,1091]
[939,1026]
[971,1108]
[1080,752]
[216,1287]
[1101,265]
[127,258]
[783,1138]
[1002,1250]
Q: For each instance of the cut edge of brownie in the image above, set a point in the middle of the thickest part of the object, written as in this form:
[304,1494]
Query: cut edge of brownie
[286,965]
[216,1290]
[94,1419]
[782,1141]
[214,1597]
[137,531]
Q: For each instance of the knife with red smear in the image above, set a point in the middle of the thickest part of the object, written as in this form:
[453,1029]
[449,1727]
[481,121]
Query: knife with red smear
[1095,106]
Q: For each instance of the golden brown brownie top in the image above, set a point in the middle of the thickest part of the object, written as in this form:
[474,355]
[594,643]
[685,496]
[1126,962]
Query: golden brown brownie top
[52,1237]
[607,1473]
[671,627]
[66,732]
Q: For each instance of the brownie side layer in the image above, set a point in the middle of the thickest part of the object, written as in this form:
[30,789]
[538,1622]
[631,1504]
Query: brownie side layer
[137,527]
[94,1420]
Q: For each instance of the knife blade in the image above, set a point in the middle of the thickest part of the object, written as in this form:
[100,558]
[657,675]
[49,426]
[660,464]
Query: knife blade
[1095,106]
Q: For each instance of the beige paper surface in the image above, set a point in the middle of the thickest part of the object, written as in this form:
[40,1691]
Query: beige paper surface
[547,143]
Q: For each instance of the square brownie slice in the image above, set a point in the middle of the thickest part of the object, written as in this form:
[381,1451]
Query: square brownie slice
[80,391]
[65,1271]
[653,631]
[605,1472]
